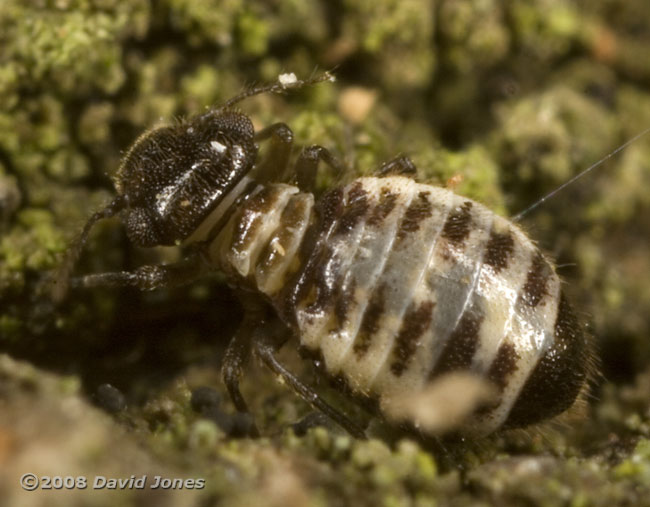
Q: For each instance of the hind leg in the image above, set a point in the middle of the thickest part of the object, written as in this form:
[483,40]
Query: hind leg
[265,349]
[264,334]
[239,349]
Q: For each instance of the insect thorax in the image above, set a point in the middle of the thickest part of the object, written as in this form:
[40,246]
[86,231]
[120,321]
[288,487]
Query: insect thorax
[173,177]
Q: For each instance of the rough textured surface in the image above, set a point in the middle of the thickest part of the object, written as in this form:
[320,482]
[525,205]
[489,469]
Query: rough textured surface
[505,100]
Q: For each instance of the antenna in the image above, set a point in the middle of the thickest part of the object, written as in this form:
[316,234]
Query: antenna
[284,82]
[61,280]
[523,213]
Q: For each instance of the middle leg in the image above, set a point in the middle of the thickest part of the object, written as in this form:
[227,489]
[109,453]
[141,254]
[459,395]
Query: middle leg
[275,166]
[307,166]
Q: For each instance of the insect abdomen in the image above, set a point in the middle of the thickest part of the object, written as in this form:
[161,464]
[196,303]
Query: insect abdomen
[398,283]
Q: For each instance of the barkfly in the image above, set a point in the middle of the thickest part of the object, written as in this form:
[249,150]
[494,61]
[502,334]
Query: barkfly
[389,285]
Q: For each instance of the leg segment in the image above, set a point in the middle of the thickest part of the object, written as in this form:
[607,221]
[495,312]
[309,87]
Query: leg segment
[276,162]
[307,166]
[401,164]
[238,352]
[233,364]
[239,349]
[275,165]
[147,277]
[266,352]
[263,333]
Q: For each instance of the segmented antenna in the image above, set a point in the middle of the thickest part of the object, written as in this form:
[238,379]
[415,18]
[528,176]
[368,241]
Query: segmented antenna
[523,213]
[285,82]
[61,280]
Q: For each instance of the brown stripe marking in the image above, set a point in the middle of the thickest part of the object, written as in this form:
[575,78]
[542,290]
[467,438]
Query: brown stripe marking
[290,222]
[558,377]
[312,254]
[504,364]
[252,216]
[264,200]
[387,201]
[298,285]
[536,286]
[293,213]
[330,208]
[355,209]
[370,322]
[327,277]
[498,250]
[457,226]
[230,212]
[461,346]
[415,322]
[344,299]
[419,210]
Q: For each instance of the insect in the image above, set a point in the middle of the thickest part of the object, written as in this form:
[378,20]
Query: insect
[386,283]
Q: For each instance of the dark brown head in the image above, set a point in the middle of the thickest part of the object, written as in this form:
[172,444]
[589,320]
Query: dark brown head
[173,177]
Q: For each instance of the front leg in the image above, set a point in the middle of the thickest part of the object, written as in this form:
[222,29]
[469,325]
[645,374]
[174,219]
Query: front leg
[147,277]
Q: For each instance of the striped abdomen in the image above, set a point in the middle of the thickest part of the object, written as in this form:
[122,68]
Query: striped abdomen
[397,283]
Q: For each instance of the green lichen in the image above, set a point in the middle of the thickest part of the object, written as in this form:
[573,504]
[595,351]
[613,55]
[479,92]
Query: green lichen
[214,21]
[546,29]
[68,44]
[400,30]
[474,33]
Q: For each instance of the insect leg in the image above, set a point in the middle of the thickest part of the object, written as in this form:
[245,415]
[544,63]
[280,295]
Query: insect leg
[234,361]
[238,352]
[265,350]
[276,162]
[401,164]
[147,277]
[307,166]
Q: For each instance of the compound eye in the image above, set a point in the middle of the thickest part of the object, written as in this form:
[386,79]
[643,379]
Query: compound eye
[141,227]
